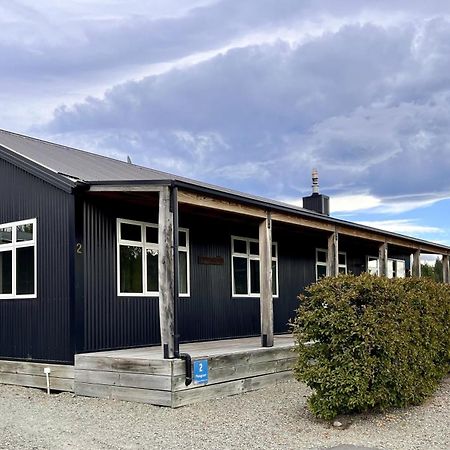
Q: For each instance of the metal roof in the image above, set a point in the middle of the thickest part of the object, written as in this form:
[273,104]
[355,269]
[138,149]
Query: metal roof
[68,165]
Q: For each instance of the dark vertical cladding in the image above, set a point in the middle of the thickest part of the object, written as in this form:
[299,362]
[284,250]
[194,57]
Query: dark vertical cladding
[39,328]
[211,312]
[112,321]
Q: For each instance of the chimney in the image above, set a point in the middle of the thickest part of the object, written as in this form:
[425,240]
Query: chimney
[317,202]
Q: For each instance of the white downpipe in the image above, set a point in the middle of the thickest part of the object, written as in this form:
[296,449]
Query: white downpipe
[47,377]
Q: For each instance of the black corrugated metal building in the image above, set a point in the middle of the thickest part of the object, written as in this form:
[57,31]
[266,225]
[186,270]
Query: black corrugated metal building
[101,254]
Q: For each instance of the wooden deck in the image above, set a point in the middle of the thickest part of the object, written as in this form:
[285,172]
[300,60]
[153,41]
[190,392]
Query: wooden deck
[142,375]
[24,373]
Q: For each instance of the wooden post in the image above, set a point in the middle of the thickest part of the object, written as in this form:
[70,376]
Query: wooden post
[333,255]
[445,269]
[416,269]
[265,281]
[166,273]
[383,260]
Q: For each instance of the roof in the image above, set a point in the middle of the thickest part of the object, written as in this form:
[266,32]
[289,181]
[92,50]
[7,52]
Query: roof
[67,167]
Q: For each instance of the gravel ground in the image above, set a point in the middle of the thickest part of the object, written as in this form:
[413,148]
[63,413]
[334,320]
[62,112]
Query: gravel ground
[272,418]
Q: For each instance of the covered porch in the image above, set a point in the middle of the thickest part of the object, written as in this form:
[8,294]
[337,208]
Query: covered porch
[143,375]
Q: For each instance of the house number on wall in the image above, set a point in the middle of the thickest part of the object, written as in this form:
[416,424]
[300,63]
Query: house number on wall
[79,248]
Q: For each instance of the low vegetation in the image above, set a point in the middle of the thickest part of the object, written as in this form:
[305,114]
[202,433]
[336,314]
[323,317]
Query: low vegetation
[369,342]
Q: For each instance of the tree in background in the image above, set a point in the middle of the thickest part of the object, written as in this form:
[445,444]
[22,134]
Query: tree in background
[433,272]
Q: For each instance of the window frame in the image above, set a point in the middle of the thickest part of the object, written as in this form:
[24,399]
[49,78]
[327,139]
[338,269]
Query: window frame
[144,245]
[395,262]
[250,257]
[325,264]
[321,263]
[373,258]
[12,247]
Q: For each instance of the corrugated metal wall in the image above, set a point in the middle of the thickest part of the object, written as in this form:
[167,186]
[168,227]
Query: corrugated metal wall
[210,312]
[112,321]
[38,329]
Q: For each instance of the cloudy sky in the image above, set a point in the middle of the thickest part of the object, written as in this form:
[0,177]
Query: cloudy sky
[248,94]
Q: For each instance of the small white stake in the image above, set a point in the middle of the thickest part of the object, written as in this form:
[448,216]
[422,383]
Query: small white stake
[47,373]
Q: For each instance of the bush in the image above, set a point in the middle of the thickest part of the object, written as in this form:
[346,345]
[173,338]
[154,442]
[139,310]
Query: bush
[370,342]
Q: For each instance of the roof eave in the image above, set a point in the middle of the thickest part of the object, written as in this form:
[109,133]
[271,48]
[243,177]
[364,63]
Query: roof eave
[54,178]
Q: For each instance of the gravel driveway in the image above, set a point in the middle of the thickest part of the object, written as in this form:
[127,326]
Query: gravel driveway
[275,418]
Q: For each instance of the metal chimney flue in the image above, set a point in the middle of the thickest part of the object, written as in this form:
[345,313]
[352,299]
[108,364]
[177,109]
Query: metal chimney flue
[317,202]
[315,181]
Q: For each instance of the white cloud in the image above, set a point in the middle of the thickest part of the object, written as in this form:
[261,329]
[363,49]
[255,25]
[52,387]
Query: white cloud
[402,226]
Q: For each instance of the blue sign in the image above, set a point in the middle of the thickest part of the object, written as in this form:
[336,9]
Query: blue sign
[201,371]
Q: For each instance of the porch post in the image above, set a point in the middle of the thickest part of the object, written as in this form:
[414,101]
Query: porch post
[383,260]
[333,255]
[445,269]
[265,281]
[166,274]
[416,269]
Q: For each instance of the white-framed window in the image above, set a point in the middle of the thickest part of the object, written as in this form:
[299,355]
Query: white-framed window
[396,268]
[322,263]
[18,259]
[373,265]
[245,267]
[137,259]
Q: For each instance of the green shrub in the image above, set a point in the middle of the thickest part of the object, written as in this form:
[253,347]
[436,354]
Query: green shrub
[370,342]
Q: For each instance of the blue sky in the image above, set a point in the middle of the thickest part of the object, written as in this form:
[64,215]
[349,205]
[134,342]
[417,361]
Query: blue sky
[250,95]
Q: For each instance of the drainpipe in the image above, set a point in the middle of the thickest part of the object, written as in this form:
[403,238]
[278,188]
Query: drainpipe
[176,288]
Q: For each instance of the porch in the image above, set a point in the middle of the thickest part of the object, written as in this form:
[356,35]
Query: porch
[143,375]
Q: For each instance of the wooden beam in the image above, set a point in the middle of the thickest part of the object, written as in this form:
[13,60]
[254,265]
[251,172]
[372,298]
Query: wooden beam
[302,221]
[383,260]
[416,269]
[221,205]
[265,280]
[166,274]
[333,255]
[205,201]
[445,269]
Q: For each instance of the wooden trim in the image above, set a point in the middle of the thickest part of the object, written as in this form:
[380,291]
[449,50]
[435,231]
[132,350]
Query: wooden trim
[307,222]
[265,270]
[221,205]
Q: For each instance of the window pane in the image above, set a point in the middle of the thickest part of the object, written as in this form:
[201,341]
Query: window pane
[182,240]
[152,271]
[25,270]
[342,270]
[274,251]
[5,272]
[254,248]
[5,235]
[239,246]
[130,269]
[342,259]
[401,269]
[130,232]
[254,276]
[372,266]
[25,232]
[183,276]
[390,268]
[240,275]
[321,271]
[151,235]
[274,278]
[321,256]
